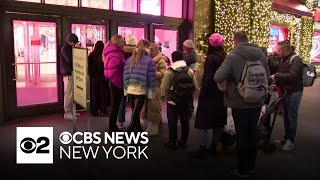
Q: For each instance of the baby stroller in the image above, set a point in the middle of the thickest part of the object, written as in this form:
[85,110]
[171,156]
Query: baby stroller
[267,120]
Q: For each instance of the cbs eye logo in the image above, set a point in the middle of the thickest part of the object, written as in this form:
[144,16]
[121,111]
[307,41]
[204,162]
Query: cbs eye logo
[34,145]
[29,145]
[65,137]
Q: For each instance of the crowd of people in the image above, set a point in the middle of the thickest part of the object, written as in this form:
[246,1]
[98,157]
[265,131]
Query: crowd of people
[126,71]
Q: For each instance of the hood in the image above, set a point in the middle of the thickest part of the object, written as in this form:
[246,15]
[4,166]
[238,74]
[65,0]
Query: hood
[158,57]
[251,52]
[178,65]
[112,48]
[129,49]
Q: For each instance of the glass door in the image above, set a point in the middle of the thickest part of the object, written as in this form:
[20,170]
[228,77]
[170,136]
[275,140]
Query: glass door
[35,50]
[89,34]
[167,39]
[137,32]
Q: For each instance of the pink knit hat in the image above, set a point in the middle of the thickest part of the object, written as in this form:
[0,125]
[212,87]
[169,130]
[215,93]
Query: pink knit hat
[216,40]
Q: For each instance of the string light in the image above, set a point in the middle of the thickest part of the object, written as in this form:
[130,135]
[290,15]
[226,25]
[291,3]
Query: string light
[307,27]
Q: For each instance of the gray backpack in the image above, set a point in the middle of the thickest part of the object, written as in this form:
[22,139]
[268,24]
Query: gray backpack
[253,85]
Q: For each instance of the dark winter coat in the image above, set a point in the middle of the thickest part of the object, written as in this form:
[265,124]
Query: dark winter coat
[96,66]
[66,60]
[211,112]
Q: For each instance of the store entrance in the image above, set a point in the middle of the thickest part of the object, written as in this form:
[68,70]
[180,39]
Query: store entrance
[34,69]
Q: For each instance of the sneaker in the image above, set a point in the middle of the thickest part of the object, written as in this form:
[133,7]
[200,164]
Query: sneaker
[288,146]
[182,144]
[171,145]
[236,172]
[68,117]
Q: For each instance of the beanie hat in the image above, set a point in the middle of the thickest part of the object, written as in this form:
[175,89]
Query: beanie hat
[72,38]
[216,40]
[131,40]
[188,43]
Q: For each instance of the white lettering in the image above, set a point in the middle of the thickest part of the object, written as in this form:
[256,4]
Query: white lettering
[75,138]
[90,151]
[96,136]
[107,152]
[145,138]
[132,137]
[142,152]
[119,137]
[133,153]
[76,152]
[87,137]
[114,152]
[107,138]
[68,154]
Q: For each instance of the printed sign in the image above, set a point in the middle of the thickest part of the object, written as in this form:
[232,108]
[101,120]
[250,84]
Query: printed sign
[80,74]
[35,40]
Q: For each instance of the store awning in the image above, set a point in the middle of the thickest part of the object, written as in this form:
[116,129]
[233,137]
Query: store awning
[292,7]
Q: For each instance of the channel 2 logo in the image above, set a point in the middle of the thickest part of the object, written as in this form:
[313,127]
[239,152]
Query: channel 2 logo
[34,145]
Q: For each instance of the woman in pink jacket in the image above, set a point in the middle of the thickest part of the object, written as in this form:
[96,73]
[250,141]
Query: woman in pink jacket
[113,70]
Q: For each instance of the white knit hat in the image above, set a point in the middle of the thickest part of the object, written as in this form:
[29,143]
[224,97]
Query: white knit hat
[188,43]
[131,40]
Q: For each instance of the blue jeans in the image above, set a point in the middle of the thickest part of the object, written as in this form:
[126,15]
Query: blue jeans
[216,134]
[291,106]
[122,110]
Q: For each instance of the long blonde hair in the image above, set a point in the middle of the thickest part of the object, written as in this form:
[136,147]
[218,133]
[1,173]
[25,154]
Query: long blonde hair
[141,48]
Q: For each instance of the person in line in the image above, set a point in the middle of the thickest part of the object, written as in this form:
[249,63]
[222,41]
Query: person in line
[178,87]
[289,78]
[66,69]
[98,85]
[153,106]
[245,114]
[139,82]
[211,113]
[113,71]
[130,46]
[190,55]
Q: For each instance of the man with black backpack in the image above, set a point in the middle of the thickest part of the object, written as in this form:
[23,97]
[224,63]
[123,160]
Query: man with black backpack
[290,79]
[178,87]
[244,77]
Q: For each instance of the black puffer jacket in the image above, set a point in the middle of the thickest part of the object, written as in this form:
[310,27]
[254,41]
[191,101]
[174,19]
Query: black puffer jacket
[289,75]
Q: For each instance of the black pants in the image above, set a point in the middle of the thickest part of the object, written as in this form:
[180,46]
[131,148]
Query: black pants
[174,113]
[136,103]
[115,98]
[245,121]
[98,96]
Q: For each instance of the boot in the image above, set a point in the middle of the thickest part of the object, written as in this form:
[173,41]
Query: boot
[201,153]
[154,129]
[213,149]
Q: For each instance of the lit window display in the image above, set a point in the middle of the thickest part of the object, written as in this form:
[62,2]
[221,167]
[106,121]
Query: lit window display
[152,7]
[168,39]
[63,2]
[315,51]
[125,5]
[136,32]
[37,1]
[277,34]
[35,50]
[173,8]
[89,34]
[99,4]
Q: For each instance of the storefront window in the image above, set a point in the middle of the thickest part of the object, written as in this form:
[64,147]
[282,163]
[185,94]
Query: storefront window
[37,1]
[63,2]
[152,7]
[89,34]
[35,50]
[99,4]
[315,51]
[167,39]
[125,5]
[277,34]
[173,8]
[136,32]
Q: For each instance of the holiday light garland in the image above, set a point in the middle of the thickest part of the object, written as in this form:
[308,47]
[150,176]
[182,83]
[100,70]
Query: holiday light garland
[306,42]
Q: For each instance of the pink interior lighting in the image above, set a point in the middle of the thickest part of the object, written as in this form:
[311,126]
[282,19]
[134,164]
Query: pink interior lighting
[35,50]
[37,1]
[99,4]
[173,8]
[152,7]
[168,39]
[136,32]
[89,34]
[63,2]
[125,5]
